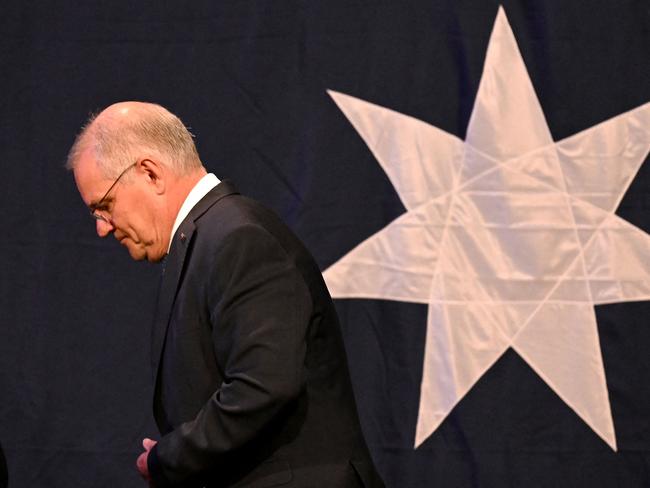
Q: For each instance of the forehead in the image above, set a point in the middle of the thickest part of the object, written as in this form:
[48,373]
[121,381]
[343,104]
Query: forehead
[90,182]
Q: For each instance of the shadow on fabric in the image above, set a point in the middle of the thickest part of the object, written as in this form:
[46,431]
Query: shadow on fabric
[3,470]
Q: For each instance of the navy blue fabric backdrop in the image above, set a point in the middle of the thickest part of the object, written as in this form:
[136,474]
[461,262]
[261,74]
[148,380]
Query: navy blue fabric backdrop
[250,79]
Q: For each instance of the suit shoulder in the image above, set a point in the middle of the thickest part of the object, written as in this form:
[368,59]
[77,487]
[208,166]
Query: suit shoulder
[236,211]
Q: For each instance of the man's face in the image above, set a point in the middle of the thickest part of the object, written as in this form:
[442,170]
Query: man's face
[132,208]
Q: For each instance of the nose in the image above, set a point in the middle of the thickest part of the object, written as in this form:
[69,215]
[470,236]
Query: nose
[104,228]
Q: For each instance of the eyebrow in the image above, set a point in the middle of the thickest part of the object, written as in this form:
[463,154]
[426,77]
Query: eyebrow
[94,205]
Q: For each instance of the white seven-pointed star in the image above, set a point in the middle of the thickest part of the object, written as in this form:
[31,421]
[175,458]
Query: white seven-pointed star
[509,237]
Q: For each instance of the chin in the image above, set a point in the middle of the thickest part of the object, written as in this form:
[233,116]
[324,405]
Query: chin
[140,253]
[137,254]
[155,259]
[153,256]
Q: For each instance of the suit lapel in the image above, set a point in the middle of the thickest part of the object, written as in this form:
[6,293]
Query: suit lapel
[173,270]
[174,264]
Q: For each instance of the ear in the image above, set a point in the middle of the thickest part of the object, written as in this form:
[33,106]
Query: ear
[156,174]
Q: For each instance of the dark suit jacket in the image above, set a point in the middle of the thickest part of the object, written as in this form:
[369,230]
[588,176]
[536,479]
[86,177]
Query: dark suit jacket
[252,385]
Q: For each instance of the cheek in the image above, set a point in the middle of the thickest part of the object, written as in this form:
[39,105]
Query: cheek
[145,225]
[140,228]
[134,217]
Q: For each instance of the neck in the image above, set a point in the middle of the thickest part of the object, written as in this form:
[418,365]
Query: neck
[179,191]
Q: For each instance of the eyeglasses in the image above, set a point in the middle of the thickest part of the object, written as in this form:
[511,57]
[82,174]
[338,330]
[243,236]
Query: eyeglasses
[96,208]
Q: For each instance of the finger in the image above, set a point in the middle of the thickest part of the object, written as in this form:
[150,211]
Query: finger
[148,443]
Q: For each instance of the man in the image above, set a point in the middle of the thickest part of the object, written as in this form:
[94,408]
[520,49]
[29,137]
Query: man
[252,386]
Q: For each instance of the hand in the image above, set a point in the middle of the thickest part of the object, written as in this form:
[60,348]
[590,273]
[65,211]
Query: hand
[141,463]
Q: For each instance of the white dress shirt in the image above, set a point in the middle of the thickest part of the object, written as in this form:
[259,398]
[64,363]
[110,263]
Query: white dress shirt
[201,189]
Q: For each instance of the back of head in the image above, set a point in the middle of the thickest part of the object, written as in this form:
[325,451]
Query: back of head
[126,131]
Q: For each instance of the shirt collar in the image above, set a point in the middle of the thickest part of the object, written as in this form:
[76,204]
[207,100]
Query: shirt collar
[201,189]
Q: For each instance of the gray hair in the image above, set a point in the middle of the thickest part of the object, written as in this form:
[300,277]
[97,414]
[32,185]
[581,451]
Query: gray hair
[152,130]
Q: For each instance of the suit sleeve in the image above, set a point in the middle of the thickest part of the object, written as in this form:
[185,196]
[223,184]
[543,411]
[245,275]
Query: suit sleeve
[259,310]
